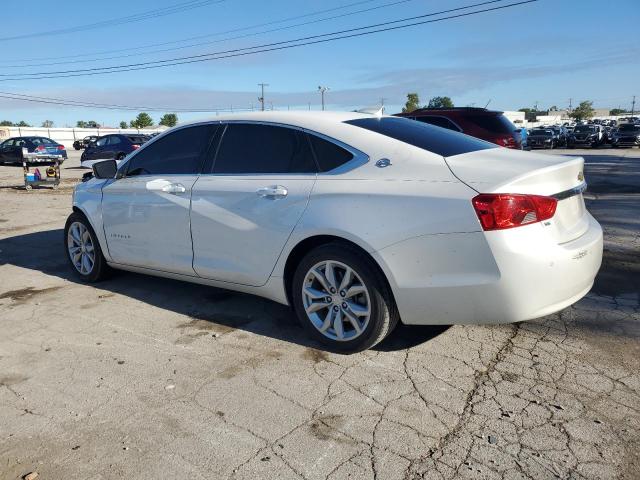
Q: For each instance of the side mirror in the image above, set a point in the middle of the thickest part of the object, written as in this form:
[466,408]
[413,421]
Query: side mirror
[105,169]
[91,144]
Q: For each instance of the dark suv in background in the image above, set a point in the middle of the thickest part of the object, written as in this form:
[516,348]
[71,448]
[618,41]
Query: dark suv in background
[116,147]
[489,125]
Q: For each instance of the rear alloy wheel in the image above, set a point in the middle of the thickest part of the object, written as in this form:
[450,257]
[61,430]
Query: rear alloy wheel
[83,250]
[342,300]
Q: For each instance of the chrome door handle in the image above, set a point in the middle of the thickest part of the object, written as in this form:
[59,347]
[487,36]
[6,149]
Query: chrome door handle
[273,192]
[174,188]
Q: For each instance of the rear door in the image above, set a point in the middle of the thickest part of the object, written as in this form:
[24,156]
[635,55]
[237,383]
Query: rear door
[245,209]
[146,214]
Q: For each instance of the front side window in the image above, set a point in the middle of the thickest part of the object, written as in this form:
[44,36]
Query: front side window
[422,135]
[178,153]
[114,140]
[101,142]
[263,149]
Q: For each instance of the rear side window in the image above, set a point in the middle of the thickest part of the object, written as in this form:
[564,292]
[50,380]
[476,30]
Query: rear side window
[177,153]
[263,149]
[439,122]
[138,140]
[328,154]
[492,123]
[436,140]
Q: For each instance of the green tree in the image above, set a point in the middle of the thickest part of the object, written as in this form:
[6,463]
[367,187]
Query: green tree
[6,123]
[81,124]
[440,102]
[22,123]
[123,124]
[93,124]
[583,111]
[531,113]
[617,111]
[413,103]
[169,120]
[47,123]
[142,120]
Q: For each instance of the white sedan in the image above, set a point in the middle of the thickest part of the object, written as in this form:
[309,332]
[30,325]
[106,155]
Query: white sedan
[357,221]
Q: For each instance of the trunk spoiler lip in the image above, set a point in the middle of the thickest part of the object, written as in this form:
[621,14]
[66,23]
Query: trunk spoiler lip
[577,190]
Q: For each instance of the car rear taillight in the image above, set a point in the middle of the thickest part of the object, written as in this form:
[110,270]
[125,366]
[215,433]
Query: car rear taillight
[135,147]
[60,147]
[40,148]
[507,141]
[499,211]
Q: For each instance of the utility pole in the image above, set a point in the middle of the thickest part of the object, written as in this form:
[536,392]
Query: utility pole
[633,106]
[322,91]
[261,98]
[570,104]
[535,107]
[309,106]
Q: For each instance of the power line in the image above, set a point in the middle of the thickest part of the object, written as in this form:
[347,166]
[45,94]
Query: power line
[303,41]
[288,27]
[274,22]
[107,106]
[160,12]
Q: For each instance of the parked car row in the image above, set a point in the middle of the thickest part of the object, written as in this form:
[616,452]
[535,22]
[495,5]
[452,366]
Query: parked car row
[115,146]
[11,150]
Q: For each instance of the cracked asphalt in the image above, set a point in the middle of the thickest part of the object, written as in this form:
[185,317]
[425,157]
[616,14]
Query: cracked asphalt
[141,377]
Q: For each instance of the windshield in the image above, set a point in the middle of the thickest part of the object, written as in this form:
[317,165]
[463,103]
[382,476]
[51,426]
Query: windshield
[629,128]
[422,135]
[42,141]
[585,128]
[542,133]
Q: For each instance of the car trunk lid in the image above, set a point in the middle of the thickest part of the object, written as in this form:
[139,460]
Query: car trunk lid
[500,170]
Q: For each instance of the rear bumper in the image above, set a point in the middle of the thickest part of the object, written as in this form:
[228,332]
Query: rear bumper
[490,277]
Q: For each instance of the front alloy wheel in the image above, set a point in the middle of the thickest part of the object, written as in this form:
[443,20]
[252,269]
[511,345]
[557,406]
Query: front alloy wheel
[80,247]
[83,250]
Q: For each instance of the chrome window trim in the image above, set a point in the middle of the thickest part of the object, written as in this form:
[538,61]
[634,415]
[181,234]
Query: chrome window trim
[359,158]
[571,192]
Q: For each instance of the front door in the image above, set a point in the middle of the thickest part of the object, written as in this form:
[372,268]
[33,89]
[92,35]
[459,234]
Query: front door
[146,213]
[245,209]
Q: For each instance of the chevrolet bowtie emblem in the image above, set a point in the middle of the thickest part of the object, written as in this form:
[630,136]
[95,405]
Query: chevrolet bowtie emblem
[581,176]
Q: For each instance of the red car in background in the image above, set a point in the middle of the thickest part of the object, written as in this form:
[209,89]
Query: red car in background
[489,125]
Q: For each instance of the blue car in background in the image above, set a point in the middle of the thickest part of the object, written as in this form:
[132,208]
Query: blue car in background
[11,149]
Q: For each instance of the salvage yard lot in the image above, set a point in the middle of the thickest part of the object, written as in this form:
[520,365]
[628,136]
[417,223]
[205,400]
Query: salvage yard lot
[140,377]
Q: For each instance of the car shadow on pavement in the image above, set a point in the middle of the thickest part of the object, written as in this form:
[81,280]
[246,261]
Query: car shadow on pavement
[223,309]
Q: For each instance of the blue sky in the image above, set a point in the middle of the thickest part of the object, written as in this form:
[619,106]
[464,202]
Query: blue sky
[548,51]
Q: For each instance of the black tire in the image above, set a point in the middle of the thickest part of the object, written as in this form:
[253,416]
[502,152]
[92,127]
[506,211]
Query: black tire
[383,312]
[100,270]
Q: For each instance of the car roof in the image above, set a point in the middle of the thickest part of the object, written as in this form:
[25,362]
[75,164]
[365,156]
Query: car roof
[474,110]
[300,118]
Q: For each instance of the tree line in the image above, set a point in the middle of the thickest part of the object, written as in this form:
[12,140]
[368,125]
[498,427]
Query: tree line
[142,120]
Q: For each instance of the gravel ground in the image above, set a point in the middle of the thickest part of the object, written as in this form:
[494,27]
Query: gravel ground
[140,377]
